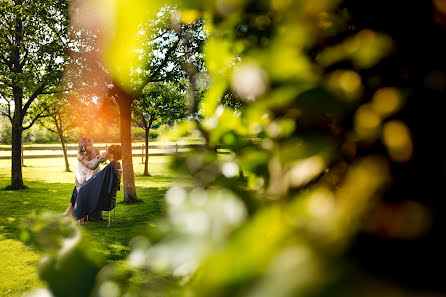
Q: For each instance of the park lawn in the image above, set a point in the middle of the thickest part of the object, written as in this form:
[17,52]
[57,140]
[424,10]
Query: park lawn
[49,189]
[18,268]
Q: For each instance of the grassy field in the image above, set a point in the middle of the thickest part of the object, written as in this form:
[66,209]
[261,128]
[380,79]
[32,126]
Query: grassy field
[49,188]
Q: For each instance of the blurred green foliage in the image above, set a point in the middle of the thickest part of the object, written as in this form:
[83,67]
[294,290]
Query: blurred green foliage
[71,260]
[275,215]
[271,218]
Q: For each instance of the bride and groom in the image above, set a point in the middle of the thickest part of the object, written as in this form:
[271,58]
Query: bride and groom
[95,189]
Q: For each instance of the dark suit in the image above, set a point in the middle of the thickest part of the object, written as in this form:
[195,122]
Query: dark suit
[98,193]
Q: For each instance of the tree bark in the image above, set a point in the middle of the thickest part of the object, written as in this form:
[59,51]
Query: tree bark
[65,155]
[17,129]
[62,141]
[146,162]
[17,120]
[125,101]
[147,134]
[16,169]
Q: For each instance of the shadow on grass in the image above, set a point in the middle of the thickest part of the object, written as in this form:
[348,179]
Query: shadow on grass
[131,219]
[155,178]
[38,196]
[11,188]
[134,201]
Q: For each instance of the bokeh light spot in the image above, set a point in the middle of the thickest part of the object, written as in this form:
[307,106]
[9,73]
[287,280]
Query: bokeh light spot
[304,171]
[249,81]
[366,122]
[230,169]
[387,101]
[396,137]
[175,196]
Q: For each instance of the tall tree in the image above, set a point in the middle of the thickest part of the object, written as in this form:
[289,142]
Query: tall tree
[160,103]
[125,101]
[33,51]
[163,45]
[59,122]
[149,48]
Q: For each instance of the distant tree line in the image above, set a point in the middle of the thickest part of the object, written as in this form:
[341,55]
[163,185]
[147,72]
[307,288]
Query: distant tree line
[38,134]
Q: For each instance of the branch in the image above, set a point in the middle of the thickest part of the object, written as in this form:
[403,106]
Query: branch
[68,127]
[40,115]
[144,122]
[55,32]
[9,110]
[152,118]
[54,92]
[3,97]
[33,66]
[166,59]
[8,115]
[160,67]
[49,128]
[4,62]
[28,103]
[159,35]
[25,57]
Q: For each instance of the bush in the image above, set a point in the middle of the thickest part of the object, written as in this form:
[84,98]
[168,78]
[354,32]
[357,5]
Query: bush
[38,134]
[153,134]
[5,131]
[138,134]
[35,134]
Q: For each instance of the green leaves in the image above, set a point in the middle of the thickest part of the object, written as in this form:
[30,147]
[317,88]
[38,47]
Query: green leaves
[71,260]
[365,49]
[160,103]
[288,139]
[33,50]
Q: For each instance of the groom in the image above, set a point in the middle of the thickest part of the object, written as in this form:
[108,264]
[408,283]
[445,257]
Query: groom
[99,193]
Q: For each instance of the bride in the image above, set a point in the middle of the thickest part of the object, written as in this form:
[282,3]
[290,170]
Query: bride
[88,166]
[99,192]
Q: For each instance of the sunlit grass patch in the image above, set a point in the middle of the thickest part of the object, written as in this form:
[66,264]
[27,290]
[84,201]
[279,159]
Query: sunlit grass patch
[49,189]
[18,268]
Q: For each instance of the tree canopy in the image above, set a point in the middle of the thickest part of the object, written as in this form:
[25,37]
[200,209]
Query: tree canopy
[33,53]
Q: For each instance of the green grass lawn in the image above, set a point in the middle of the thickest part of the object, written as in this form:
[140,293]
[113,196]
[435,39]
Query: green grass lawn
[49,189]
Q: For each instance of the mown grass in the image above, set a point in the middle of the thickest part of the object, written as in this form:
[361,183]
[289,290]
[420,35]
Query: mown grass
[49,189]
[18,268]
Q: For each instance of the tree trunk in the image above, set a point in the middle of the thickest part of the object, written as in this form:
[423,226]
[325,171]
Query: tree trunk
[146,163]
[17,120]
[65,154]
[16,168]
[62,141]
[125,101]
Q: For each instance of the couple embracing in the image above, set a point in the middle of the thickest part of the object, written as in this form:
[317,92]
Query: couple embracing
[95,189]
